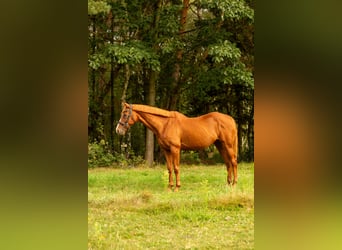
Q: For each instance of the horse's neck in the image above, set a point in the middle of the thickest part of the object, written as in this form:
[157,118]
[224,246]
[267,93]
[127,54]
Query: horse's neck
[153,122]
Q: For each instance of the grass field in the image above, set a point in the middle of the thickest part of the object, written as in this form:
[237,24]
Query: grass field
[132,209]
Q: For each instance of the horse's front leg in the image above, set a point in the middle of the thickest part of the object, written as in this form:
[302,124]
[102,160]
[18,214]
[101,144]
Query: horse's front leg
[169,163]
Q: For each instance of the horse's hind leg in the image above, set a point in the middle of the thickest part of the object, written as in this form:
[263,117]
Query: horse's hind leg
[234,164]
[232,155]
[226,159]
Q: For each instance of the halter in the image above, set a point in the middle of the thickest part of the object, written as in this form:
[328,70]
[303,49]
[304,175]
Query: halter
[128,117]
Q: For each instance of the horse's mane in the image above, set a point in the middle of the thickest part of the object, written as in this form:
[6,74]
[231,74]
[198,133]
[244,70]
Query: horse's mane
[151,110]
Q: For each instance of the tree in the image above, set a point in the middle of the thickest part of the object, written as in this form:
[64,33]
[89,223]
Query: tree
[191,56]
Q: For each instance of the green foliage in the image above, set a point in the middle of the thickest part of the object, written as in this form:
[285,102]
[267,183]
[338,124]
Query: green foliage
[99,154]
[238,74]
[170,45]
[96,7]
[209,156]
[190,157]
[131,54]
[169,22]
[228,9]
[235,71]
[223,51]
[96,60]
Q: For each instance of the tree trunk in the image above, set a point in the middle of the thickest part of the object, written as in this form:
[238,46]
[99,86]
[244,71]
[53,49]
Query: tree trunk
[127,77]
[175,86]
[92,101]
[250,134]
[151,98]
[128,147]
[150,94]
[112,107]
[239,120]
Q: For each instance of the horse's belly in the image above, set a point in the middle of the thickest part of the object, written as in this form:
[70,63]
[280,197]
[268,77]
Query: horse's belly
[196,142]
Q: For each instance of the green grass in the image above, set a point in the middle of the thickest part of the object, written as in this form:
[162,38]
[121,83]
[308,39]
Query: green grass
[132,209]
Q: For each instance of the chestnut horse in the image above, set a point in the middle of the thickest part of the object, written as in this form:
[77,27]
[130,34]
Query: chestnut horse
[175,131]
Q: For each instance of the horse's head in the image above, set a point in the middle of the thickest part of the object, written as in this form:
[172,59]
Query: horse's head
[125,120]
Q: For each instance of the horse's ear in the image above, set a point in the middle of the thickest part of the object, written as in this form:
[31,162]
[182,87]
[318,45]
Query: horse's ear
[122,104]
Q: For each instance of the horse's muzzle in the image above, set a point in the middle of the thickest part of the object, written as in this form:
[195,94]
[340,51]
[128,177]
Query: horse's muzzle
[120,130]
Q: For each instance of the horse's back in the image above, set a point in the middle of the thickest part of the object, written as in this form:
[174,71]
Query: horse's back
[218,118]
[223,118]
[209,120]
[202,131]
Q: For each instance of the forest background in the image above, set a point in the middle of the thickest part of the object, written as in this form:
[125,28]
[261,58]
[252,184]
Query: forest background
[191,56]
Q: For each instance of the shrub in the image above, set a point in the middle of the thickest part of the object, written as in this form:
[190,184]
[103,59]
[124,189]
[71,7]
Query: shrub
[190,157]
[99,154]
